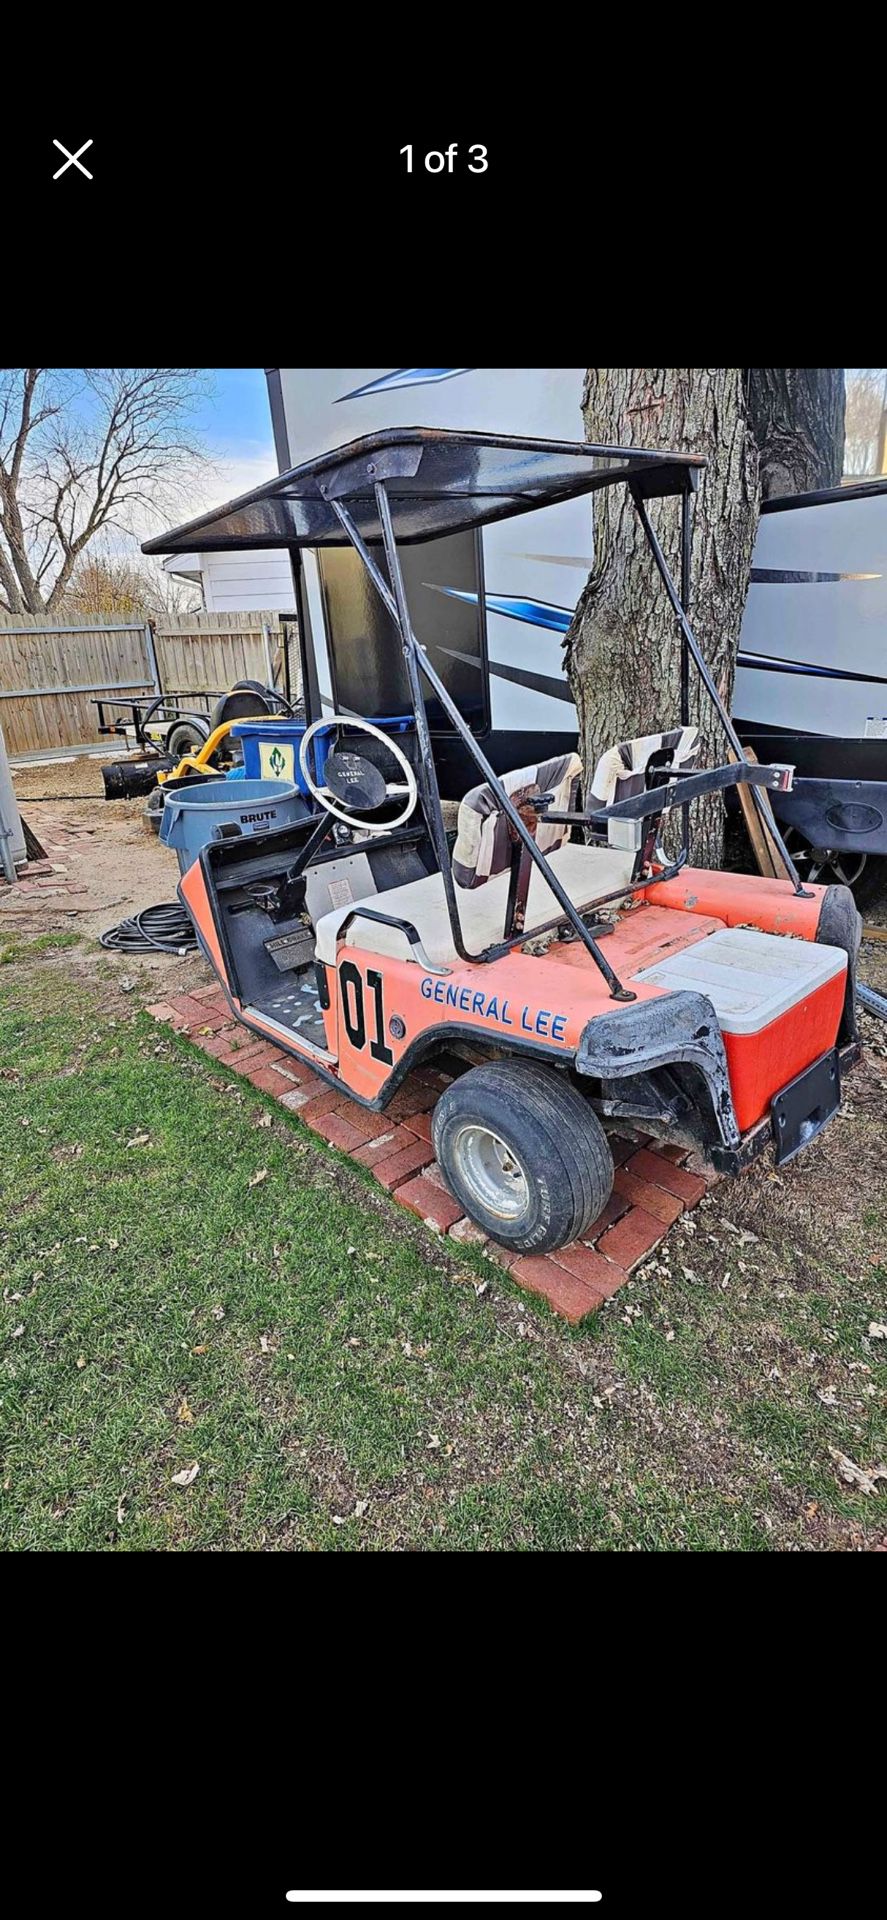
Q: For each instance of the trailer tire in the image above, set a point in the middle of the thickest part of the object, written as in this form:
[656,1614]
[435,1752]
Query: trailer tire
[187,736]
[523,1153]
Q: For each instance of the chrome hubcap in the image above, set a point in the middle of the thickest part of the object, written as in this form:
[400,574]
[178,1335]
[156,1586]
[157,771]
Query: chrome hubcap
[491,1171]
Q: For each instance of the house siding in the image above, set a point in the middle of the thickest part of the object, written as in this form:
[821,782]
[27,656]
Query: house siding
[239,582]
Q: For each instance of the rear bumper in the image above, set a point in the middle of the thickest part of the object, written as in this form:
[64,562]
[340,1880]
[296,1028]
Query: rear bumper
[760,1137]
[663,1063]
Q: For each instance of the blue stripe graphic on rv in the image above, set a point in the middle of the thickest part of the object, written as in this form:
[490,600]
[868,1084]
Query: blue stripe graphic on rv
[767,663]
[789,577]
[405,377]
[535,613]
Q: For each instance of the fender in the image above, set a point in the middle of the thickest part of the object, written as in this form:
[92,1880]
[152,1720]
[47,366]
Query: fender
[840,925]
[673,1029]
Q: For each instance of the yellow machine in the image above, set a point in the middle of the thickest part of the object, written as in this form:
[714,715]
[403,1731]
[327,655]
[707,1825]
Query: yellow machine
[197,762]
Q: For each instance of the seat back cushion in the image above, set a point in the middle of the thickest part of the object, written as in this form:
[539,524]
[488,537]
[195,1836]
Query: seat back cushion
[621,772]
[484,835]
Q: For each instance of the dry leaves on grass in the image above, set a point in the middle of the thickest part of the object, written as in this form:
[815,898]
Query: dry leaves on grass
[342,1519]
[257,1178]
[187,1476]
[877,1330]
[139,1140]
[865,1478]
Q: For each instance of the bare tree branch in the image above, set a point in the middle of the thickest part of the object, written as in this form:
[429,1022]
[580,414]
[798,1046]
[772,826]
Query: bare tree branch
[82,449]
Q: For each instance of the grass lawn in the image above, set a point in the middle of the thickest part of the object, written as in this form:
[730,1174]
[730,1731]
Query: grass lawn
[190,1279]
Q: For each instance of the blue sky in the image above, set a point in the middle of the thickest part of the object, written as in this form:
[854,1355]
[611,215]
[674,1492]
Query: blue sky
[237,419]
[232,423]
[235,423]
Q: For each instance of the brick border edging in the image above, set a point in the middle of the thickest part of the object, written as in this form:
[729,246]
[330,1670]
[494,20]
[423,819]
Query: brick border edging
[652,1188]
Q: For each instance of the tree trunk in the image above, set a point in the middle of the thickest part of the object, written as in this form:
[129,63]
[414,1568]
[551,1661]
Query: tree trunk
[797,417]
[623,648]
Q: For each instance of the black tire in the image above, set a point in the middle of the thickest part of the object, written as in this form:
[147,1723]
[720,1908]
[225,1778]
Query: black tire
[872,882]
[187,736]
[565,1167]
[864,873]
[246,700]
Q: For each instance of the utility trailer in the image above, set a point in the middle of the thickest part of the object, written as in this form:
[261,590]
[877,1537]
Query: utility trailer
[598,978]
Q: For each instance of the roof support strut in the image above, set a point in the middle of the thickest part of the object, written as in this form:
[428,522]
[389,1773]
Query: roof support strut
[689,640]
[416,659]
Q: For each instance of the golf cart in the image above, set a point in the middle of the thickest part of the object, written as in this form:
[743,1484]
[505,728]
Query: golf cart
[592,977]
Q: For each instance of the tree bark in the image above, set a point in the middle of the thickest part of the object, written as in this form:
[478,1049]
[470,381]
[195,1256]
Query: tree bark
[622,651]
[797,417]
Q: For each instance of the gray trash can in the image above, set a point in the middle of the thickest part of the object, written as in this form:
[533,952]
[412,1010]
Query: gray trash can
[217,809]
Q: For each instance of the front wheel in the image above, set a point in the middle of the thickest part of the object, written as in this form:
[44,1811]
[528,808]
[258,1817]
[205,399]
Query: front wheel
[524,1154]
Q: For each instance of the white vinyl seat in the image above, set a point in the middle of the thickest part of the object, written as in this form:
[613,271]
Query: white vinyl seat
[585,872]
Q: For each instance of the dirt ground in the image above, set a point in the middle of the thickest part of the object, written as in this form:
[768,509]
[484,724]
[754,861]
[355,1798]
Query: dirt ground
[108,864]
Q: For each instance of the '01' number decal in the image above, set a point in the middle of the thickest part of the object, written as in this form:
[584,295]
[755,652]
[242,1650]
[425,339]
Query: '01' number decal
[353,1013]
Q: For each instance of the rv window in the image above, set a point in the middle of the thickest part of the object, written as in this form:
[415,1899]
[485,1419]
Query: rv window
[366,662]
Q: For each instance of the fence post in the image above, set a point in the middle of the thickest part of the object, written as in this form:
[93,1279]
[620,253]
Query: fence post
[269,664]
[151,652]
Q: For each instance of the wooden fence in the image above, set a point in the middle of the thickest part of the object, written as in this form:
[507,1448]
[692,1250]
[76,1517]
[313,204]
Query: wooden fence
[207,652]
[52,670]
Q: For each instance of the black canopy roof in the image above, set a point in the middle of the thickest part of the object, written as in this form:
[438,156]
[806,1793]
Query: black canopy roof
[437,482]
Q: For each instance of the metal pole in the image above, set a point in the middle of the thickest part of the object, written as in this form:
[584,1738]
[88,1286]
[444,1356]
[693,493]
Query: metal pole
[686,531]
[309,689]
[416,656]
[269,664]
[286,663]
[764,810]
[151,651]
[425,771]
[12,839]
[6,859]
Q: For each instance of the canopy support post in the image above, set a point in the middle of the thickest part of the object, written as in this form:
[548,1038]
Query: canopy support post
[686,536]
[417,658]
[689,640]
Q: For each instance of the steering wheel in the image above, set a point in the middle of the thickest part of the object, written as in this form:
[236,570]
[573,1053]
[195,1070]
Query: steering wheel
[327,799]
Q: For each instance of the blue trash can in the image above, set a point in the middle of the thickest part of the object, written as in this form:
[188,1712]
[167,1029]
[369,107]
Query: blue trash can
[271,749]
[214,810]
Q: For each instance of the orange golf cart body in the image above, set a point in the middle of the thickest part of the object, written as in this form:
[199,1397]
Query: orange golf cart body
[584,975]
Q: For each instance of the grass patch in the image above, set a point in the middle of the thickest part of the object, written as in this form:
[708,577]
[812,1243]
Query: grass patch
[16,949]
[332,1370]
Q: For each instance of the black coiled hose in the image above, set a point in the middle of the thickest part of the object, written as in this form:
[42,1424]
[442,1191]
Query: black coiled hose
[162,929]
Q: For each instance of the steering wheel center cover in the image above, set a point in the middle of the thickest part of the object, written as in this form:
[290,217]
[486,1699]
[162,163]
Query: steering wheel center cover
[355,781]
[327,797]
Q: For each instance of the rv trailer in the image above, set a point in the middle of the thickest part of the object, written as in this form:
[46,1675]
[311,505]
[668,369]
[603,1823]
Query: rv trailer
[496,602]
[811,674]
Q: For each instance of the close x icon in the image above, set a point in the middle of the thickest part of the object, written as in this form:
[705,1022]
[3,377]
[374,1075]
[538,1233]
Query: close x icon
[72,159]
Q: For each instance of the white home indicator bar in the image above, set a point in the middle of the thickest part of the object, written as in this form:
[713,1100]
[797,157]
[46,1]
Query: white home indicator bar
[377,1897]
